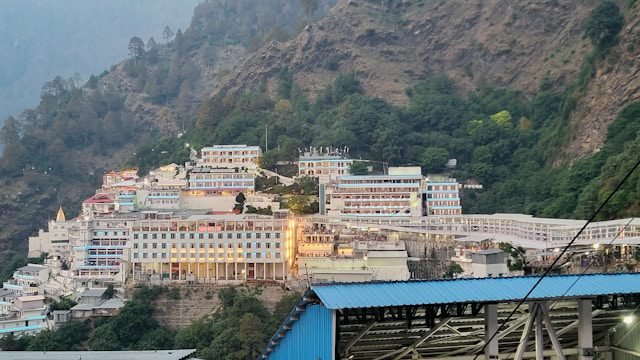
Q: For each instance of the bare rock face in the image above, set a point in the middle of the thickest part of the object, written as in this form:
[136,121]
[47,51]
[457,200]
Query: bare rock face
[391,45]
[616,83]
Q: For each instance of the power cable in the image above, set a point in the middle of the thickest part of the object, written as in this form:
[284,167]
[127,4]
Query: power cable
[583,272]
[564,250]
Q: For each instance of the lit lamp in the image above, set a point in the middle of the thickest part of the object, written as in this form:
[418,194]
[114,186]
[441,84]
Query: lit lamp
[629,319]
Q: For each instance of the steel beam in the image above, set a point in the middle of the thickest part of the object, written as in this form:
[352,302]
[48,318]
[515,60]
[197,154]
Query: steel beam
[585,330]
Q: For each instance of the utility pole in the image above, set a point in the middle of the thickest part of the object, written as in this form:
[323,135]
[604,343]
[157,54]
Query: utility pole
[266,138]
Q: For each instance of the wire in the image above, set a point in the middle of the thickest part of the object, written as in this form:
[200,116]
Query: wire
[564,250]
[582,273]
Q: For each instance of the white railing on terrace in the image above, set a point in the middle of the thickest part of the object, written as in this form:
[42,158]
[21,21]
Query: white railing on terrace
[548,232]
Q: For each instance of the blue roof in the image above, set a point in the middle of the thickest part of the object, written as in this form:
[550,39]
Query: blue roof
[482,290]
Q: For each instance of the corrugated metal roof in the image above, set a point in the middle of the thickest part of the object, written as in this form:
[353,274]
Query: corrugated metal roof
[99,355]
[340,296]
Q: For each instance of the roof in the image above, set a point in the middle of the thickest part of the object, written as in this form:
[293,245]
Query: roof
[111,304]
[32,268]
[98,199]
[481,290]
[31,298]
[99,355]
[387,254]
[83,307]
[489,252]
[98,292]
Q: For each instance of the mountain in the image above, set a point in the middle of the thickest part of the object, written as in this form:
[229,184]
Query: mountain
[391,45]
[55,153]
[43,39]
[501,86]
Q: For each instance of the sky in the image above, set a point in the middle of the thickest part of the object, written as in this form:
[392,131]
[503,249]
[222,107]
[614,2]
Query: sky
[40,39]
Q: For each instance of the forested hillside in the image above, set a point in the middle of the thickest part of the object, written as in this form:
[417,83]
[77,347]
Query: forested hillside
[500,97]
[505,139]
[56,153]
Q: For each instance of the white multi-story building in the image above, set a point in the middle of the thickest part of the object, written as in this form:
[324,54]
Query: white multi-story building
[99,249]
[231,156]
[210,248]
[393,194]
[208,181]
[28,280]
[441,197]
[326,166]
[24,316]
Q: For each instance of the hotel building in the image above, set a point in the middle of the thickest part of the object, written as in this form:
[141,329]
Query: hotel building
[394,194]
[210,248]
[326,166]
[231,156]
[441,197]
[208,181]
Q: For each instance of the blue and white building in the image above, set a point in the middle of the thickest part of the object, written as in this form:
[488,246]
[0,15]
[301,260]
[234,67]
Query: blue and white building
[396,194]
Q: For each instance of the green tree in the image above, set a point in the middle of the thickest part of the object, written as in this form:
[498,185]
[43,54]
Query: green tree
[603,24]
[453,270]
[359,168]
[240,200]
[284,305]
[250,336]
[434,159]
[136,48]
[502,118]
[12,343]
[268,160]
[65,303]
[110,292]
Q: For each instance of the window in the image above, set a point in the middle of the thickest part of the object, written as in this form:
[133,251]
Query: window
[144,255]
[268,245]
[248,245]
[135,245]
[172,236]
[277,235]
[248,235]
[135,236]
[154,236]
[164,245]
[277,245]
[144,236]
[238,236]
[154,245]
[201,246]
[258,235]
[267,235]
[144,245]
[163,236]
[229,235]
[135,255]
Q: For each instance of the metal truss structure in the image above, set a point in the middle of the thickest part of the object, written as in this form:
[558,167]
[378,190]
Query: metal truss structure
[458,331]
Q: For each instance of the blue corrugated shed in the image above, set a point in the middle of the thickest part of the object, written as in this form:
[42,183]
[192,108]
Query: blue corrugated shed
[311,337]
[341,296]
